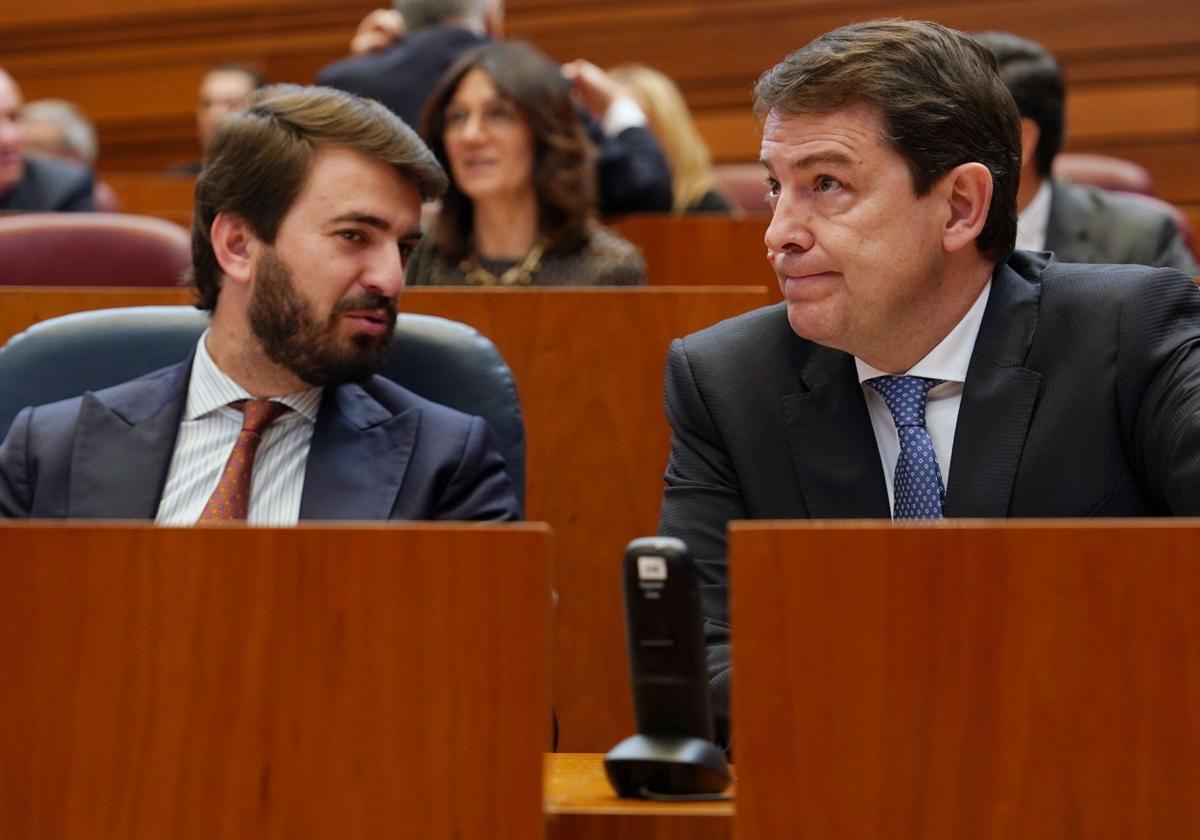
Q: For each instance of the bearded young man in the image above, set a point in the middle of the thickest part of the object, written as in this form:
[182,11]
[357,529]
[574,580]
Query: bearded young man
[306,210]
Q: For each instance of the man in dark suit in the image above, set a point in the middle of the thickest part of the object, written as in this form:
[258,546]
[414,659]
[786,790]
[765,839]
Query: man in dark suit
[308,207]
[1078,223]
[407,51]
[918,367]
[34,183]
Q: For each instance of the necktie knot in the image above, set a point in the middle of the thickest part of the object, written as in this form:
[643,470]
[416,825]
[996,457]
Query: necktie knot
[905,397]
[258,414]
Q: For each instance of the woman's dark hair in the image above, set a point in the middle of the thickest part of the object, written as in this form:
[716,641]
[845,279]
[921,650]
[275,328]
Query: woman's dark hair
[563,162]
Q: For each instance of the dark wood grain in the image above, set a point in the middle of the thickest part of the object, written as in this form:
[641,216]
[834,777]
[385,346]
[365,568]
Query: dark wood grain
[968,680]
[271,683]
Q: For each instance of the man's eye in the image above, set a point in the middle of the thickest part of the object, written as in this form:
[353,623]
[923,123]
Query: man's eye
[352,235]
[772,188]
[406,250]
[825,183]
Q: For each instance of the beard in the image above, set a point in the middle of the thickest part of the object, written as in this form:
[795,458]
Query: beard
[293,337]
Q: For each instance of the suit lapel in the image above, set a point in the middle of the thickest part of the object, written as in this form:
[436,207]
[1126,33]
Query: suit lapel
[998,400]
[360,452]
[833,444]
[123,447]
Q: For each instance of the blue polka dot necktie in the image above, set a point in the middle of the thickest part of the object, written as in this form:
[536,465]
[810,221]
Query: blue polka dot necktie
[917,490]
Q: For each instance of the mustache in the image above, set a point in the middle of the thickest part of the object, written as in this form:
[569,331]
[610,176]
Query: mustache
[366,301]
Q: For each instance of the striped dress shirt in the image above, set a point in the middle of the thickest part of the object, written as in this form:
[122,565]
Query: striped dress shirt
[207,434]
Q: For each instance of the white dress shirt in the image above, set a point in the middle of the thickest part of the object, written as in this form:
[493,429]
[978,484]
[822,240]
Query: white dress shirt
[948,361]
[207,434]
[1034,220]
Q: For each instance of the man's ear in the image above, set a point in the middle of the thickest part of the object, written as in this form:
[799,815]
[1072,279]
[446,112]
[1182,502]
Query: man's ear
[968,191]
[233,243]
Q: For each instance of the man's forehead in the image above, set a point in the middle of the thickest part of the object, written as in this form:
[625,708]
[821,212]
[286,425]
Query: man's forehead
[855,126]
[343,184]
[10,91]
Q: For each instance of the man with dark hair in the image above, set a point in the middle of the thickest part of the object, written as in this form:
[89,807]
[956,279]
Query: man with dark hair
[1078,223]
[30,182]
[407,50]
[918,367]
[306,211]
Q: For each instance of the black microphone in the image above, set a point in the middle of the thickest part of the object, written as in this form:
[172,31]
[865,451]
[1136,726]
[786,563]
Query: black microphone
[672,755]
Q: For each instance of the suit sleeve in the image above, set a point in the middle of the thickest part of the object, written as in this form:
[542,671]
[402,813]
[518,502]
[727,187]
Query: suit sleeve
[16,491]
[631,172]
[702,495]
[1158,382]
[480,488]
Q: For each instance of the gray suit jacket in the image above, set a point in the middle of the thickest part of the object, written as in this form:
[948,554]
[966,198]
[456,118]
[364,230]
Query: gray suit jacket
[378,452]
[50,186]
[1090,225]
[1082,398]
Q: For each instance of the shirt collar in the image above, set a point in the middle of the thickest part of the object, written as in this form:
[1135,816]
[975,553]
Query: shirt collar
[949,360]
[1034,220]
[211,389]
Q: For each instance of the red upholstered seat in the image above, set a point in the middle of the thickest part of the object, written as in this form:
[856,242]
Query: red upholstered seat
[91,249]
[1104,171]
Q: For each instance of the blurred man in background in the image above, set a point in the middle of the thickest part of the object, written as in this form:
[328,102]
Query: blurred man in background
[31,182]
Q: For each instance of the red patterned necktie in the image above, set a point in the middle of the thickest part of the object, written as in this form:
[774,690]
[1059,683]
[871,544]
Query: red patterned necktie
[231,499]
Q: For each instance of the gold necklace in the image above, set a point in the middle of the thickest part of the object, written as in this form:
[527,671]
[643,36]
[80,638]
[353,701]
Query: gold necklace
[520,274]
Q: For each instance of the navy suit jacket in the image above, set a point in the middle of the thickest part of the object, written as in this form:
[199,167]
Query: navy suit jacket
[378,452]
[1082,398]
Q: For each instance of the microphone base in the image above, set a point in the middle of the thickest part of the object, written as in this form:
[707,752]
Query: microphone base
[666,765]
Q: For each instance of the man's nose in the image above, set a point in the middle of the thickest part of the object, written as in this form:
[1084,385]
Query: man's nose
[385,276]
[790,229]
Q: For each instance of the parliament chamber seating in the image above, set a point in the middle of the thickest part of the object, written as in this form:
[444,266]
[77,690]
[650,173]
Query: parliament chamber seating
[92,249]
[439,359]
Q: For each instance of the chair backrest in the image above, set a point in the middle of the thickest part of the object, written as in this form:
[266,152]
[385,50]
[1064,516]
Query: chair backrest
[91,249]
[1104,171]
[442,360]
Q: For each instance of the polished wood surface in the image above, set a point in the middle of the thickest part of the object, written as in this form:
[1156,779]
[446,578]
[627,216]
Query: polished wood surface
[589,369]
[973,680]
[701,250]
[310,682]
[580,805]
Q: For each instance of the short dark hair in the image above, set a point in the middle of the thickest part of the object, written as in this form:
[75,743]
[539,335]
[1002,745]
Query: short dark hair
[938,93]
[1036,83]
[563,160]
[259,159]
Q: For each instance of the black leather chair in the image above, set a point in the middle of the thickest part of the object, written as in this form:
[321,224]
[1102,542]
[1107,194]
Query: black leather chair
[442,360]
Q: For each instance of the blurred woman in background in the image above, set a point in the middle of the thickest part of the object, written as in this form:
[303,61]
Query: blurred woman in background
[694,183]
[521,204]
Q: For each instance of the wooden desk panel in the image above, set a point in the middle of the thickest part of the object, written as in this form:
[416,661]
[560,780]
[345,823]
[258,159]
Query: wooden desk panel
[973,680]
[580,805]
[589,368]
[702,250]
[309,682]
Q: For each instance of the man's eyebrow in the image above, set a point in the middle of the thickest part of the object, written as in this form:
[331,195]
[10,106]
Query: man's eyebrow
[363,218]
[818,158]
